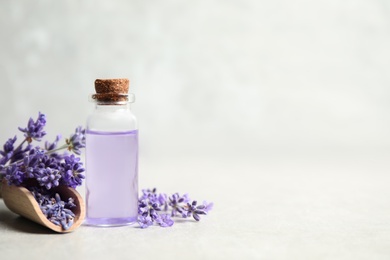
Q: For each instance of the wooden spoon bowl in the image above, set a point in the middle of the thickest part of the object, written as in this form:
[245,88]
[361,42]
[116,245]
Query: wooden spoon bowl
[21,201]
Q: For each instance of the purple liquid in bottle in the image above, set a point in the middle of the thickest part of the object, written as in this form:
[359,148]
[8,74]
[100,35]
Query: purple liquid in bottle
[111,178]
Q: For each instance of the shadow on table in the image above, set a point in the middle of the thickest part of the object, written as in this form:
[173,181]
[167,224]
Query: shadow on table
[9,220]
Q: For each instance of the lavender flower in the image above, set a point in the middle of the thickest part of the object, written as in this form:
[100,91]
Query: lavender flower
[47,171]
[49,177]
[8,146]
[72,170]
[76,141]
[51,148]
[148,213]
[163,200]
[208,206]
[35,162]
[149,208]
[177,204]
[53,145]
[164,220]
[39,197]
[12,154]
[148,193]
[34,130]
[195,211]
[150,204]
[153,208]
[19,153]
[13,175]
[41,169]
[8,149]
[145,222]
[48,162]
[54,208]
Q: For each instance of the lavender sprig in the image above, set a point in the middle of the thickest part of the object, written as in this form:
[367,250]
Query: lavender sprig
[45,165]
[8,150]
[42,169]
[76,141]
[159,208]
[51,148]
[35,130]
[149,205]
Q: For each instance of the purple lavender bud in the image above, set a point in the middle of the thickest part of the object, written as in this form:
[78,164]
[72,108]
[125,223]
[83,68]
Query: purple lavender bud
[72,170]
[64,224]
[49,178]
[162,198]
[57,197]
[19,153]
[177,203]
[69,213]
[200,212]
[34,130]
[53,145]
[208,206]
[13,175]
[8,147]
[151,204]
[194,210]
[153,214]
[196,216]
[46,161]
[70,204]
[76,141]
[55,222]
[53,207]
[70,222]
[5,159]
[164,220]
[145,222]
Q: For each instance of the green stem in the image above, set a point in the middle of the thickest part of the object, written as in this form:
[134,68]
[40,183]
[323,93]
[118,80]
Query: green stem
[57,149]
[20,145]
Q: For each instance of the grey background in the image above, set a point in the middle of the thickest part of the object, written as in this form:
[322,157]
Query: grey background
[237,77]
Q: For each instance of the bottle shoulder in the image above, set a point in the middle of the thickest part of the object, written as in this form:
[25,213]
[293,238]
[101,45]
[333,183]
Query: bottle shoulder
[119,120]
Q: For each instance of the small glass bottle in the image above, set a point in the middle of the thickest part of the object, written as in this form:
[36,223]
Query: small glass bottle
[111,156]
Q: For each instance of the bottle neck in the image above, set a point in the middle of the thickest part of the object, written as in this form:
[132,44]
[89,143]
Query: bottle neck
[117,100]
[112,106]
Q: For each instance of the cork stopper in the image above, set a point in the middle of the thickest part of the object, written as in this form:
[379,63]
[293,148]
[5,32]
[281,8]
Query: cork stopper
[111,90]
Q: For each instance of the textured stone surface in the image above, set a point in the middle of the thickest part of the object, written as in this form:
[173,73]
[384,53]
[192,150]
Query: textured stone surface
[333,206]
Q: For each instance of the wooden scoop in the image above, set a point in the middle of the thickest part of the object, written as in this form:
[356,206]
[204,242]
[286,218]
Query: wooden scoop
[20,201]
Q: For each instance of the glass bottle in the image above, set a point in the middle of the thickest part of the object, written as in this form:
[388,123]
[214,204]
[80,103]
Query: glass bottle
[111,156]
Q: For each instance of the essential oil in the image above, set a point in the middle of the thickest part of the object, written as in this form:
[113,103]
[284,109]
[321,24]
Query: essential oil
[111,157]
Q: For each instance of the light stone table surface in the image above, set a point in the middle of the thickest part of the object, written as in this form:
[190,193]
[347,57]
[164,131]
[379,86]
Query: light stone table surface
[332,205]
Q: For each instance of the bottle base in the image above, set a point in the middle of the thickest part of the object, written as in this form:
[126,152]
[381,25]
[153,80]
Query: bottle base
[109,222]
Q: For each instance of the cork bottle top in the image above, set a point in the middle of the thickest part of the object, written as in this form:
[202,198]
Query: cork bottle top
[111,90]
